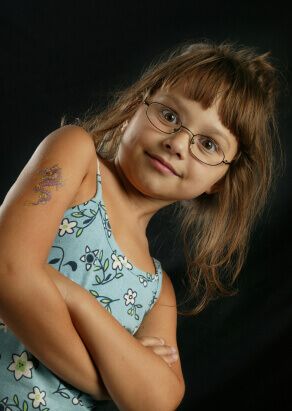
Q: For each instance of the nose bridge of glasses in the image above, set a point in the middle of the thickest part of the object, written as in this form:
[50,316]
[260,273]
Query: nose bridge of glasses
[188,131]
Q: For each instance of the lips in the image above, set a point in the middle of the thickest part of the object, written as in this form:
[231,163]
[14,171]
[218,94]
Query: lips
[165,163]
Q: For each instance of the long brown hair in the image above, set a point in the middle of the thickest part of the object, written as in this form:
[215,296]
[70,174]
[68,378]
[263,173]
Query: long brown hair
[215,228]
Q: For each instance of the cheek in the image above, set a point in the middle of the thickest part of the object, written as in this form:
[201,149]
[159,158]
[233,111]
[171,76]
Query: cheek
[133,132]
[217,176]
[136,140]
[202,179]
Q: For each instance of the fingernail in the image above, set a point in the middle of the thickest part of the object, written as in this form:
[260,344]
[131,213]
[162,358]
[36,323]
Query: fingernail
[173,349]
[162,341]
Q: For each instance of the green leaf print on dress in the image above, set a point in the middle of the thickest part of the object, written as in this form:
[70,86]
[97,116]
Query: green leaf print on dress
[103,299]
[74,396]
[130,299]
[85,217]
[5,405]
[103,266]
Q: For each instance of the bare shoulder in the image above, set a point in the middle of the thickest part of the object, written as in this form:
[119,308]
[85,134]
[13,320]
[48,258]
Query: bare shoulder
[69,135]
[32,209]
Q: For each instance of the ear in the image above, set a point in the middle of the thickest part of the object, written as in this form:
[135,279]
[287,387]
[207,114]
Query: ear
[218,186]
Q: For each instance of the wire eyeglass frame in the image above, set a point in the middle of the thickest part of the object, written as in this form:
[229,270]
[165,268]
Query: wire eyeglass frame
[193,136]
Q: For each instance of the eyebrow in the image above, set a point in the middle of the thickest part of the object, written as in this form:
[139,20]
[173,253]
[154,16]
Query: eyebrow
[210,129]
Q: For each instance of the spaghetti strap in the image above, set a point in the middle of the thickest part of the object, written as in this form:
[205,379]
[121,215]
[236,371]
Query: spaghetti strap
[98,172]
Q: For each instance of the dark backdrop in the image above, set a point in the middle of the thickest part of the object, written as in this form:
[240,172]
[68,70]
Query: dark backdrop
[63,57]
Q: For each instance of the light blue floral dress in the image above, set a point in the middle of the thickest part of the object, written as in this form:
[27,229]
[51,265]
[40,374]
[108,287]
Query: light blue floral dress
[84,250]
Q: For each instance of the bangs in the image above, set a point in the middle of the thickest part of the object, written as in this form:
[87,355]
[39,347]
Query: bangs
[222,81]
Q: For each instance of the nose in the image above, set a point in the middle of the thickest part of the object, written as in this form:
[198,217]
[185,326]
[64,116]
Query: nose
[178,143]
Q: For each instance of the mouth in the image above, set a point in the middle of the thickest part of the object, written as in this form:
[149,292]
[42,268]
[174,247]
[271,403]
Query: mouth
[162,165]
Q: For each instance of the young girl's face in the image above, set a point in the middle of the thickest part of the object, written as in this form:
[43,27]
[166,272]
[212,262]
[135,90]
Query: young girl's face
[141,141]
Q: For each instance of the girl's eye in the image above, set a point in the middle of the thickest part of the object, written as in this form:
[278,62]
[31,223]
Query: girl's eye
[208,144]
[170,116]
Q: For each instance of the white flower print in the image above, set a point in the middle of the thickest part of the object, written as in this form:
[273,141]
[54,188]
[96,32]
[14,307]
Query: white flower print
[143,281]
[21,366]
[66,227]
[89,257]
[37,397]
[120,261]
[130,296]
[125,262]
[76,401]
[116,262]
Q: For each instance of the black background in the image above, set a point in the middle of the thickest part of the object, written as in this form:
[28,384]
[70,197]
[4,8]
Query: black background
[63,57]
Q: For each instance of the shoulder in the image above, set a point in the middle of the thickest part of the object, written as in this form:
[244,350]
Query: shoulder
[70,135]
[69,142]
[41,194]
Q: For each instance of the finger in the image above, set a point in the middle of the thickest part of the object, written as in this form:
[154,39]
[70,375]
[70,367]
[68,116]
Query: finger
[163,350]
[149,341]
[169,359]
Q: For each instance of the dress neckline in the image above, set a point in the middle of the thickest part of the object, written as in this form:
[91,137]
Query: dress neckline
[111,239]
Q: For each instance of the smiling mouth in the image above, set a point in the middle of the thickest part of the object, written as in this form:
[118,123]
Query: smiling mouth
[160,166]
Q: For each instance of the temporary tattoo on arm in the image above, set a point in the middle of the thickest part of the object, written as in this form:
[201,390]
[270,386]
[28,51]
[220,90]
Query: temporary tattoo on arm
[49,177]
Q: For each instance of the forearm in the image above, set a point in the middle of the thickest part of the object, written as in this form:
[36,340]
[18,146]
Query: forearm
[135,377]
[33,308]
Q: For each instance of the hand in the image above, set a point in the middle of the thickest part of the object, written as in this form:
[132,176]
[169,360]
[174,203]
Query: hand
[159,348]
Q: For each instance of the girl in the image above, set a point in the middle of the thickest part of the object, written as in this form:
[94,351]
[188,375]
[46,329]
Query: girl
[88,314]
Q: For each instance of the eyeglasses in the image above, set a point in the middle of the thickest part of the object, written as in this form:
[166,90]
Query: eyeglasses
[203,148]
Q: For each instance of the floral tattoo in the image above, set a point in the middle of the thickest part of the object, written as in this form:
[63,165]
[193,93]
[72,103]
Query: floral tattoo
[49,177]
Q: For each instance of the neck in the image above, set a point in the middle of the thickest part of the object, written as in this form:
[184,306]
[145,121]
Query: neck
[140,207]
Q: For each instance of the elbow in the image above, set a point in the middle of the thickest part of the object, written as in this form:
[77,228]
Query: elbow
[169,401]
[14,279]
[176,400]
[179,402]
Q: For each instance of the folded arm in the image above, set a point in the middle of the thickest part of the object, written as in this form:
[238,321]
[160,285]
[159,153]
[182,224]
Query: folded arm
[33,308]
[135,377]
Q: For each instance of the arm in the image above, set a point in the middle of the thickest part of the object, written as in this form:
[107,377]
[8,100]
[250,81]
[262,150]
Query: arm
[33,308]
[30,303]
[136,378]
